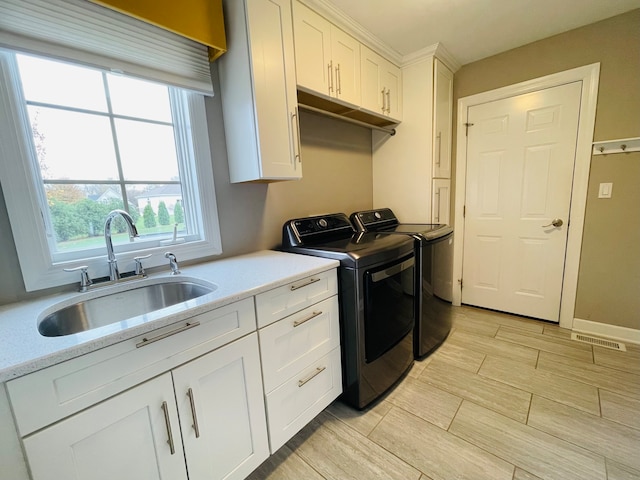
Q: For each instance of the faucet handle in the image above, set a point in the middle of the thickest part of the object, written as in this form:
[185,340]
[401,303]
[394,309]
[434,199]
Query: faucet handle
[85,280]
[139,268]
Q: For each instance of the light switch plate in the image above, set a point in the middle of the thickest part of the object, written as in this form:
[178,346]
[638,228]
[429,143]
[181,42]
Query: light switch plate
[605,190]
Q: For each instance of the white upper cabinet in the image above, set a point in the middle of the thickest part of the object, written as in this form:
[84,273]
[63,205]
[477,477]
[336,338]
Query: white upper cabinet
[258,92]
[327,59]
[381,85]
[442,119]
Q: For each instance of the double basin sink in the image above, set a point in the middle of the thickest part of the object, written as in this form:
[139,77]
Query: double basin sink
[89,312]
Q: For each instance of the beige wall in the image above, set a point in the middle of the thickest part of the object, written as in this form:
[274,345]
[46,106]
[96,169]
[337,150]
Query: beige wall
[337,177]
[609,279]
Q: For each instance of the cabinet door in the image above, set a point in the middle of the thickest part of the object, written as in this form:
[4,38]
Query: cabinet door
[441,200]
[313,49]
[381,85]
[372,96]
[392,84]
[274,77]
[442,120]
[220,400]
[126,436]
[345,58]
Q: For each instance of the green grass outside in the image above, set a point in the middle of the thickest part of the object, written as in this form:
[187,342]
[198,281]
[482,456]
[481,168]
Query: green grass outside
[85,243]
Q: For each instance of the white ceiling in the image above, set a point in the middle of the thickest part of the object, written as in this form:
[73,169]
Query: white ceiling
[474,29]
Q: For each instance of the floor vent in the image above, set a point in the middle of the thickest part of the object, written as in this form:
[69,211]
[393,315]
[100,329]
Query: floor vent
[600,342]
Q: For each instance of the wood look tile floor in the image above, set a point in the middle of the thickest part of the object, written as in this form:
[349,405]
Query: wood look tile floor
[503,398]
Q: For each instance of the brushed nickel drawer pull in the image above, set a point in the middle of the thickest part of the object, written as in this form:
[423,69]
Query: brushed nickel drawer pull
[167,422]
[309,282]
[147,341]
[318,371]
[297,323]
[193,412]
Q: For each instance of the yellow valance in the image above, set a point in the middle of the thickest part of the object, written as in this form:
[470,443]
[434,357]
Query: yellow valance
[199,20]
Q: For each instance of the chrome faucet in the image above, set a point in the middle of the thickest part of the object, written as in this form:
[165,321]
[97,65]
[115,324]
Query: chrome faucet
[111,257]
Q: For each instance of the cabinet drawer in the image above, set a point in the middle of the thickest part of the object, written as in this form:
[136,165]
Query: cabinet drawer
[295,403]
[293,297]
[48,395]
[297,340]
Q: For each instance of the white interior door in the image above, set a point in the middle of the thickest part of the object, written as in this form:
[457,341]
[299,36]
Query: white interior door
[520,159]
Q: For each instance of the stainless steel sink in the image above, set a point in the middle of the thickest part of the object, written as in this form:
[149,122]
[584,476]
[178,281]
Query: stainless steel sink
[116,307]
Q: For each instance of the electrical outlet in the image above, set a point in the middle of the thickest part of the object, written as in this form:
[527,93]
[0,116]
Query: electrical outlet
[605,190]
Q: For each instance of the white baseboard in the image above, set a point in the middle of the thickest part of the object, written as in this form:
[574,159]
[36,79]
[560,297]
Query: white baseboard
[613,332]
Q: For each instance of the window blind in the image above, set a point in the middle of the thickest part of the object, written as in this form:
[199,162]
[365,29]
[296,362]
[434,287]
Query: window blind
[83,32]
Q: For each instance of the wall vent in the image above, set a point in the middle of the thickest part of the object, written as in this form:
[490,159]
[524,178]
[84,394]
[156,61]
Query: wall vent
[600,342]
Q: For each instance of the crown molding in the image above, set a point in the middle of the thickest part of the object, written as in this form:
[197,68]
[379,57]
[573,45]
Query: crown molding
[364,36]
[353,28]
[435,50]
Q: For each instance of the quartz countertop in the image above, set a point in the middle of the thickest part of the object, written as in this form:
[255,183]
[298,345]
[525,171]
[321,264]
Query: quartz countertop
[23,350]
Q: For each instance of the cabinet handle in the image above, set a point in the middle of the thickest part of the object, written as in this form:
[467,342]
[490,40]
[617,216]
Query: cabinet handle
[193,412]
[439,139]
[308,282]
[384,100]
[330,68]
[318,371]
[297,323]
[167,421]
[438,206]
[295,126]
[388,100]
[147,341]
[338,80]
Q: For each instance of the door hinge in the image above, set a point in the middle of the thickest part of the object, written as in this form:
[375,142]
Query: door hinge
[460,282]
[467,125]
[464,211]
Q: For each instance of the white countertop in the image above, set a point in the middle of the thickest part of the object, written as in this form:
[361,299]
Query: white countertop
[23,350]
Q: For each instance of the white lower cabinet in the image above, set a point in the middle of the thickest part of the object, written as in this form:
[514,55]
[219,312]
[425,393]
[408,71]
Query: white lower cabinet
[139,434]
[301,362]
[187,401]
[124,437]
[222,417]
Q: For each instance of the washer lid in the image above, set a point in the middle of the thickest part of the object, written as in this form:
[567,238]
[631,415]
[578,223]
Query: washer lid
[332,236]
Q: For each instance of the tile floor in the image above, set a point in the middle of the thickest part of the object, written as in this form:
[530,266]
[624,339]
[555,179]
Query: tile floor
[503,398]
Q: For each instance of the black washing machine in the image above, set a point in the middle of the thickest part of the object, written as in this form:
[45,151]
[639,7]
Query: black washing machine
[376,297]
[434,272]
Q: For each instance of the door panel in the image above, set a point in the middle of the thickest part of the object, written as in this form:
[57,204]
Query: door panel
[520,158]
[313,49]
[221,395]
[123,437]
[345,53]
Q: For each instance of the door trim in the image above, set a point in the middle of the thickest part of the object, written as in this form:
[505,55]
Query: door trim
[589,76]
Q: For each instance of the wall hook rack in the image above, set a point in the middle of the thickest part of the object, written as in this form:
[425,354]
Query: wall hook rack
[624,145]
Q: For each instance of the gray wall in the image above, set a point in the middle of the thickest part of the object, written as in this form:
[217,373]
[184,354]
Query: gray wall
[609,278]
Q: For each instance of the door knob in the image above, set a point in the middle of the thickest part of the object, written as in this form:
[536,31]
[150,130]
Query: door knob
[556,222]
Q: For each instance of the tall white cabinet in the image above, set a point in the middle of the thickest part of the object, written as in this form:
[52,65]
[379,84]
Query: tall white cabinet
[412,170]
[258,83]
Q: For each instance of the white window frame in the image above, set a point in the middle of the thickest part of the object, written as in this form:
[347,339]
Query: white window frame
[21,191]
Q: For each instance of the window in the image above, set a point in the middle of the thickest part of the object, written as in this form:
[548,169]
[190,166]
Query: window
[92,141]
